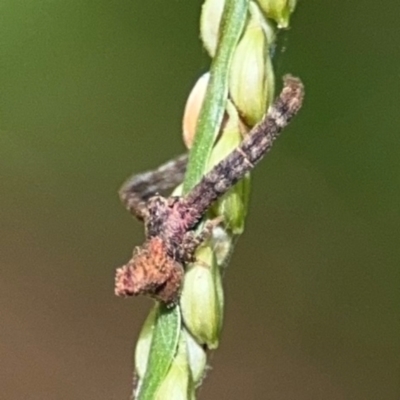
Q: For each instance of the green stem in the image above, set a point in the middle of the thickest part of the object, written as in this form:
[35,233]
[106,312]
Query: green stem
[212,111]
[163,348]
[167,326]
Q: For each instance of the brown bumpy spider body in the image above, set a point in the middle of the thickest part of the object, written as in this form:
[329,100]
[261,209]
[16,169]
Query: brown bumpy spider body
[156,268]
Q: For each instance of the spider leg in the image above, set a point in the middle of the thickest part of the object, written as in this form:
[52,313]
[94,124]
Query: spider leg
[191,240]
[135,192]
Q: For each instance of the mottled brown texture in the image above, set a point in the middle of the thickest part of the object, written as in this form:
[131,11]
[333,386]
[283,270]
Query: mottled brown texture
[252,149]
[139,188]
[161,281]
[156,269]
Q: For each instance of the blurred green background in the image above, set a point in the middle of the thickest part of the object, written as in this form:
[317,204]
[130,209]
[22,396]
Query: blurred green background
[91,91]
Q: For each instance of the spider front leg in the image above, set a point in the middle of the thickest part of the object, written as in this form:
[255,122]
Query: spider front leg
[135,192]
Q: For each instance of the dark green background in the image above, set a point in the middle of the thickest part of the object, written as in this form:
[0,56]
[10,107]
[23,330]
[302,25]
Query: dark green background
[91,91]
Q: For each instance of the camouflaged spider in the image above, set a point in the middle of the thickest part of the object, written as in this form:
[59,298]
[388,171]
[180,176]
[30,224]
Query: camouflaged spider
[157,267]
